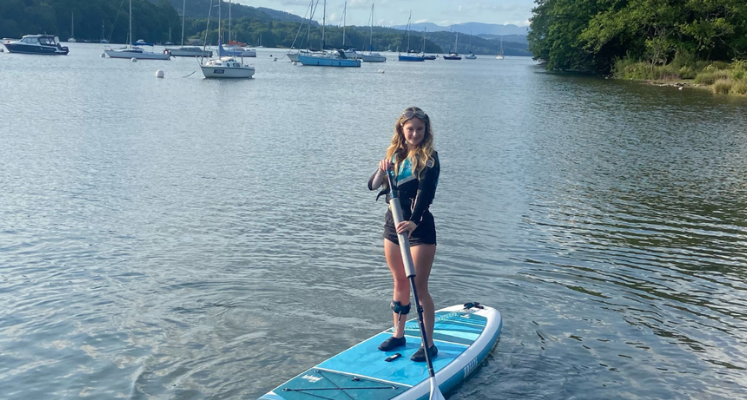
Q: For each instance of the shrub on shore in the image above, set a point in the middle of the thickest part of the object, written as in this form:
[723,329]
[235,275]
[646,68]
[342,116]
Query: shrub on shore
[739,87]
[723,86]
[724,78]
[628,69]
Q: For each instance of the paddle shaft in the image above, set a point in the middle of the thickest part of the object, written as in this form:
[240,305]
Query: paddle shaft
[404,247]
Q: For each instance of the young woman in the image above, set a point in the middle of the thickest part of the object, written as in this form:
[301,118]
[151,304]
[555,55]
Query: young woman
[416,169]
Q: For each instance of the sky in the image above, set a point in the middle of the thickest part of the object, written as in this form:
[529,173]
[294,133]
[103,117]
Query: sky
[395,12]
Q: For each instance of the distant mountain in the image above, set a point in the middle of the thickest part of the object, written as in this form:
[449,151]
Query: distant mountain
[473,28]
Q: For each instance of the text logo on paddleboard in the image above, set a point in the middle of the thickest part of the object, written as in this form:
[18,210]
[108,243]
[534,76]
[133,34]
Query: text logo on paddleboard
[311,378]
[470,367]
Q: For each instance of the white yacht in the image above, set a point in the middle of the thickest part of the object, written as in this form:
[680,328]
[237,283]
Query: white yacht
[131,51]
[237,51]
[187,51]
[371,56]
[225,66]
[190,51]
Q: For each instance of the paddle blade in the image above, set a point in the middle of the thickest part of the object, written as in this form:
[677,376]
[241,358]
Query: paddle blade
[435,391]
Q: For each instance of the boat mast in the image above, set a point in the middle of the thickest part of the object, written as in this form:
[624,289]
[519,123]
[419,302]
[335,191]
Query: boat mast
[229,22]
[184,11]
[72,24]
[308,27]
[408,32]
[344,11]
[425,29]
[219,31]
[130,42]
[370,45]
[324,21]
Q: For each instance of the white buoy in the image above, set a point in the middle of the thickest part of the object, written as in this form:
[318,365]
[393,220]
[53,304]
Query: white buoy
[133,59]
[159,74]
[295,63]
[381,71]
[680,88]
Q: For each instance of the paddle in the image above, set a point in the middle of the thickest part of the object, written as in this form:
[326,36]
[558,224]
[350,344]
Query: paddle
[404,247]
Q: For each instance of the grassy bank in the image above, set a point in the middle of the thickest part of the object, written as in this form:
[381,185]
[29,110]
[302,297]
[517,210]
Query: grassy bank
[721,77]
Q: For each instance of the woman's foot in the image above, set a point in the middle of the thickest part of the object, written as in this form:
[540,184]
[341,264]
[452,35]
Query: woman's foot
[419,355]
[392,343]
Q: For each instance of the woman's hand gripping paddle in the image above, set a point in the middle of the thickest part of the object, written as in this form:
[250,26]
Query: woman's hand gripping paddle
[404,247]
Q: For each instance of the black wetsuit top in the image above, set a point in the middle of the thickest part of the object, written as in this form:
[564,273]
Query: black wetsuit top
[415,191]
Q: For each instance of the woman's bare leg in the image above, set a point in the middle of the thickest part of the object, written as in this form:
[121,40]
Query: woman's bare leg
[422,257]
[401,283]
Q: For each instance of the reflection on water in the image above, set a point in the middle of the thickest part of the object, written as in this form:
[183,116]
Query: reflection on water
[184,238]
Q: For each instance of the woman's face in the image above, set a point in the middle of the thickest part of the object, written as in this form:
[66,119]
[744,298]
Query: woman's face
[414,130]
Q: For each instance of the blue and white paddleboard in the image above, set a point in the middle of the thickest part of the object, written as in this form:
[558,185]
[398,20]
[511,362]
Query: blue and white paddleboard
[464,338]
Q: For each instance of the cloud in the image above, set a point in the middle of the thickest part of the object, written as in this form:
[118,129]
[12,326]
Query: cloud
[420,21]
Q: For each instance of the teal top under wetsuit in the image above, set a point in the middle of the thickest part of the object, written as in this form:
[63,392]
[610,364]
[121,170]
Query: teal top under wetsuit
[416,193]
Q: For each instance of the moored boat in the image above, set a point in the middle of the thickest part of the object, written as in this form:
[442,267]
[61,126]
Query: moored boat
[371,56]
[36,44]
[411,55]
[336,58]
[237,51]
[328,59]
[226,68]
[190,51]
[454,55]
[186,51]
[132,51]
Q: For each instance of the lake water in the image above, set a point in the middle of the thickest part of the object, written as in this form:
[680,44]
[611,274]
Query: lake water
[183,238]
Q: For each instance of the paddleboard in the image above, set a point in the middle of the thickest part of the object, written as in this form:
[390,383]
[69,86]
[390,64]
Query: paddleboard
[464,337]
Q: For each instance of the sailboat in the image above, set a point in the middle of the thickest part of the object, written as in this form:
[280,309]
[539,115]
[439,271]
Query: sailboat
[500,56]
[131,51]
[349,53]
[429,57]
[188,51]
[336,58]
[225,66]
[103,39]
[454,55]
[72,27]
[371,56]
[471,55]
[408,56]
[293,55]
[233,49]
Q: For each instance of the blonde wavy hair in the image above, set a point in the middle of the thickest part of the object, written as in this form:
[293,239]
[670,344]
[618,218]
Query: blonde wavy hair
[419,156]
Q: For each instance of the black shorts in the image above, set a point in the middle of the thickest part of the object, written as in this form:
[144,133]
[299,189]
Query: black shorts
[425,233]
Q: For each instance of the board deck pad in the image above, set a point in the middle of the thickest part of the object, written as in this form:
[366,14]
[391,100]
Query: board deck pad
[362,372]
